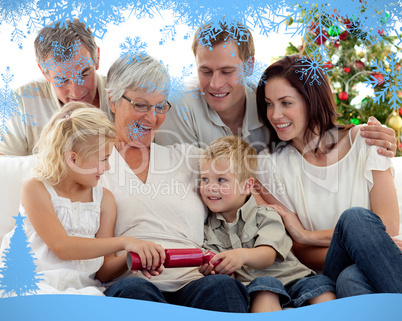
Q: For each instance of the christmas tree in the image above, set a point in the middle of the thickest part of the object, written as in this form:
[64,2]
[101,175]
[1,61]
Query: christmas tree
[364,73]
[18,275]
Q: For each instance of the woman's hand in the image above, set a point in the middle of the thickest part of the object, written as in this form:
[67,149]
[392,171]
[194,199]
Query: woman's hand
[292,223]
[206,269]
[150,253]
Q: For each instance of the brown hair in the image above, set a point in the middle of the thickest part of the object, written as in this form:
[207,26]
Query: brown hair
[227,32]
[317,95]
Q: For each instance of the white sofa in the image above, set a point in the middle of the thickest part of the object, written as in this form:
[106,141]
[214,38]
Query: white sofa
[14,170]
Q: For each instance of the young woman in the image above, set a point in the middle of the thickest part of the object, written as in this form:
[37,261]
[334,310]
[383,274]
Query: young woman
[315,170]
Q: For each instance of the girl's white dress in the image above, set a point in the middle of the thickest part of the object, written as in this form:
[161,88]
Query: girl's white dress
[60,276]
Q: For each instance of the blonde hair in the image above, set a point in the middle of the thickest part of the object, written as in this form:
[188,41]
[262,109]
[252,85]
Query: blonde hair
[242,157]
[78,127]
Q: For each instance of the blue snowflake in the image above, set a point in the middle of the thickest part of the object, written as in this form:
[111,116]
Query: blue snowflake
[251,78]
[12,13]
[10,104]
[178,91]
[96,14]
[313,67]
[133,49]
[65,62]
[392,82]
[134,131]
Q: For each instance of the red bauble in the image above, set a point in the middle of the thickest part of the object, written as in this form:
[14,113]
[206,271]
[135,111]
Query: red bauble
[347,22]
[360,64]
[400,111]
[328,65]
[343,96]
[379,77]
[346,69]
[381,32]
[343,35]
[336,44]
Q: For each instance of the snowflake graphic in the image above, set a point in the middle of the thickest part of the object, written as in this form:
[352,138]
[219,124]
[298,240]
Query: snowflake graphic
[133,49]
[10,104]
[134,131]
[65,62]
[313,67]
[12,13]
[391,82]
[244,75]
[178,91]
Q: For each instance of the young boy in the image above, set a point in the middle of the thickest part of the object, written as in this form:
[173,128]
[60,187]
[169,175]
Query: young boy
[251,240]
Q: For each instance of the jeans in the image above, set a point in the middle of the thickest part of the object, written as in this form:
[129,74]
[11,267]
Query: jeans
[362,258]
[296,293]
[212,292]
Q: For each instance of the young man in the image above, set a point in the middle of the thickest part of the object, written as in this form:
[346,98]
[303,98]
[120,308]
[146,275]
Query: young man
[68,59]
[251,240]
[220,104]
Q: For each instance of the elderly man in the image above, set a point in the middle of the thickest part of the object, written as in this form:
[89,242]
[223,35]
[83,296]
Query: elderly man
[68,59]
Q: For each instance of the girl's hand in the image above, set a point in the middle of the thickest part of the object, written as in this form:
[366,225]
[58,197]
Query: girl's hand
[150,273]
[292,223]
[232,260]
[206,269]
[150,253]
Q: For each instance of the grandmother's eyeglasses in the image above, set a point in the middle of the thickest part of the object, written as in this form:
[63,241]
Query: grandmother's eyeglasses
[161,108]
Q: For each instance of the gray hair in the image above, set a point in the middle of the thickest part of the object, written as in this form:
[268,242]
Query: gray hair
[65,37]
[143,74]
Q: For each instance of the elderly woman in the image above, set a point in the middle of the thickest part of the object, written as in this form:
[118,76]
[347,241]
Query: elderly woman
[156,193]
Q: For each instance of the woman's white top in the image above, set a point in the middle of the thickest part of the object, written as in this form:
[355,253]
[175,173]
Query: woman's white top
[319,195]
[166,209]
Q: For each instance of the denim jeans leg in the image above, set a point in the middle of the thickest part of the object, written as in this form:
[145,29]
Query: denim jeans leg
[352,282]
[213,292]
[360,237]
[135,288]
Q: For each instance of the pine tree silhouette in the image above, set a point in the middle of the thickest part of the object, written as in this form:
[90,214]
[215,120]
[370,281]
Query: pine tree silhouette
[18,275]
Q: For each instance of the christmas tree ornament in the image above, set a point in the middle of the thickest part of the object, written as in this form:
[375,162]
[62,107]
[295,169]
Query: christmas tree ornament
[343,35]
[355,121]
[379,78]
[360,64]
[336,44]
[394,121]
[346,69]
[328,65]
[333,31]
[381,32]
[343,96]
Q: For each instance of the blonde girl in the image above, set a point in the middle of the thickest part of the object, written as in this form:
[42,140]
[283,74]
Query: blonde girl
[70,218]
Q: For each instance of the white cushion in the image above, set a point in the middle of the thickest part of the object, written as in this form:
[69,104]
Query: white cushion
[14,170]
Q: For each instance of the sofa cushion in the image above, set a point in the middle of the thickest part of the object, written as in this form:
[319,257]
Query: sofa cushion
[14,170]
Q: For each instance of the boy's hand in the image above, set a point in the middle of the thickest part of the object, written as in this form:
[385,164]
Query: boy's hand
[150,253]
[232,260]
[150,273]
[380,136]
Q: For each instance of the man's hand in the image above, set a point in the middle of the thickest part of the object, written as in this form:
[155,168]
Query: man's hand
[380,136]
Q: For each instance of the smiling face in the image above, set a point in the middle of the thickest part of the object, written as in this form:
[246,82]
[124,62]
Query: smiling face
[219,72]
[134,127]
[68,89]
[221,190]
[286,110]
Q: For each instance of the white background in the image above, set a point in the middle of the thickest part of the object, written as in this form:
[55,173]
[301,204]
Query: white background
[177,54]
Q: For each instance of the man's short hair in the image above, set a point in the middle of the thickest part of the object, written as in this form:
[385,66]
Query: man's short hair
[65,37]
[242,157]
[236,32]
